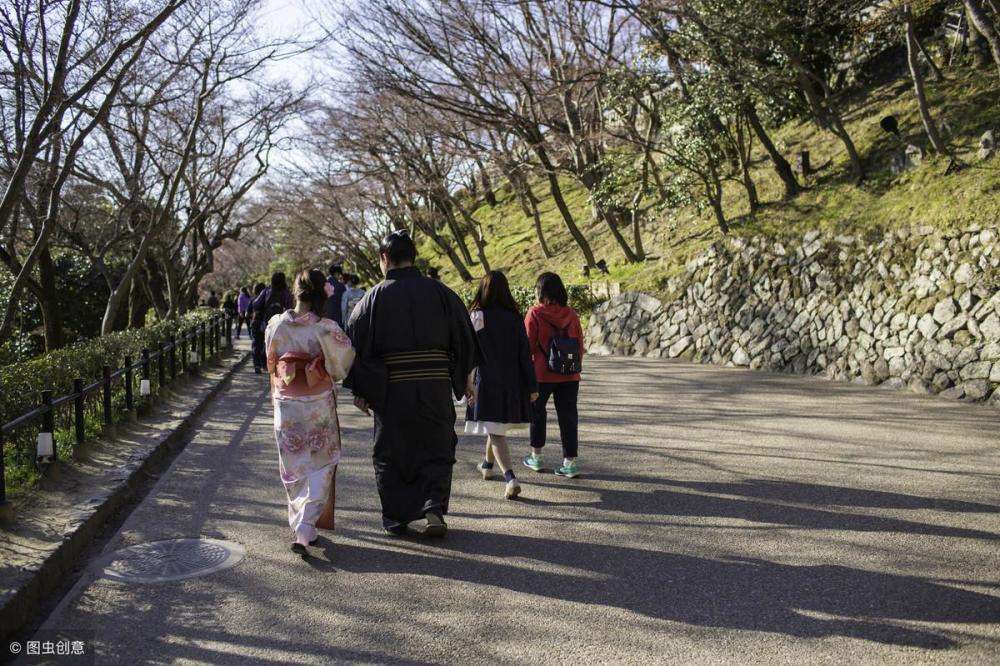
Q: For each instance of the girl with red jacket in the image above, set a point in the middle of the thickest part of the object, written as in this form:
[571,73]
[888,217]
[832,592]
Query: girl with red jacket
[553,317]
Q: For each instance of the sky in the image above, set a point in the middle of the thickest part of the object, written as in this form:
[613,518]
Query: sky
[299,19]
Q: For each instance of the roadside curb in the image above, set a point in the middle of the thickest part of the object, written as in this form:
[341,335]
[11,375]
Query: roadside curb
[48,575]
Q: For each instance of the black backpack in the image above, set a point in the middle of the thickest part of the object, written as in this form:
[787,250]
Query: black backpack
[564,356]
[272,306]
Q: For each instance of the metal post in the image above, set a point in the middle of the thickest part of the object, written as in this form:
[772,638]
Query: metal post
[229,331]
[49,420]
[201,342]
[173,357]
[78,406]
[161,375]
[129,398]
[108,417]
[213,335]
[3,474]
[184,351]
[145,364]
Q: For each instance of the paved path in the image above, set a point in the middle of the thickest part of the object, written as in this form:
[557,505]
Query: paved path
[724,516]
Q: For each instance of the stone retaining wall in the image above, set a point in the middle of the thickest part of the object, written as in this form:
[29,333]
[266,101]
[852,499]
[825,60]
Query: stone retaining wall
[917,309]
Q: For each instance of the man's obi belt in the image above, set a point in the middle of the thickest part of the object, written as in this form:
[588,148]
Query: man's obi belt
[418,365]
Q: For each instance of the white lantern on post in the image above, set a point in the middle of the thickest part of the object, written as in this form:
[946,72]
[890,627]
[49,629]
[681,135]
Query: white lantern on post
[45,447]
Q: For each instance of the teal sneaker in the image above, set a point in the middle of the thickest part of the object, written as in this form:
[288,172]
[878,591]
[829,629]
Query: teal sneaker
[570,471]
[533,462]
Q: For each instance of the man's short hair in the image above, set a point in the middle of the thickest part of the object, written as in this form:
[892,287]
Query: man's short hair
[398,247]
[336,269]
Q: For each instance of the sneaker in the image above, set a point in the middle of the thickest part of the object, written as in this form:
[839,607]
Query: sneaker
[570,471]
[512,490]
[533,462]
[435,526]
[486,470]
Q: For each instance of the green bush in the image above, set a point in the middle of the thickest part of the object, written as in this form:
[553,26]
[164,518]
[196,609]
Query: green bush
[23,383]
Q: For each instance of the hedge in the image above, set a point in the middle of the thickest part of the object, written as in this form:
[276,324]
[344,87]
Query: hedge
[23,383]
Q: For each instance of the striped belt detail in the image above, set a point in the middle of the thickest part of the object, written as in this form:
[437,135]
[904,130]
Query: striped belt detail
[418,365]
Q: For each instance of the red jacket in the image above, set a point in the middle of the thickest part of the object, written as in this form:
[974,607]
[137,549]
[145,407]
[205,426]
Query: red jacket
[541,322]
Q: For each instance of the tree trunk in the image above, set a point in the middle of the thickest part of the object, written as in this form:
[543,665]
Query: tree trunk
[751,188]
[935,70]
[611,220]
[781,165]
[720,217]
[984,24]
[529,205]
[557,197]
[51,318]
[918,85]
[477,235]
[138,306]
[636,222]
[446,247]
[978,46]
[827,117]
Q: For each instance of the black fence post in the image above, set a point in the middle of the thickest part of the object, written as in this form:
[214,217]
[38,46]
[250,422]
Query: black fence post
[229,331]
[173,357]
[161,375]
[213,335]
[78,406]
[129,397]
[201,342]
[108,417]
[3,474]
[146,372]
[184,351]
[49,420]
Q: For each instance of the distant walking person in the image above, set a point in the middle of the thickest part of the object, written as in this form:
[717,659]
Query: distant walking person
[243,310]
[229,306]
[415,349]
[305,356]
[271,301]
[352,296]
[213,300]
[504,384]
[556,340]
[334,294]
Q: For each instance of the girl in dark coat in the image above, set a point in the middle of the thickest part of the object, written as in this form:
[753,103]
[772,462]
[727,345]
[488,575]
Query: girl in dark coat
[504,384]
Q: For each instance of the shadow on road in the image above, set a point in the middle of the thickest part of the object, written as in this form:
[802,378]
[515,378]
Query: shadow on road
[745,594]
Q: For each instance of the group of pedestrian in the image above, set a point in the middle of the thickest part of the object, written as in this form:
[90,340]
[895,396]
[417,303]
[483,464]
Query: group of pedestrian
[407,350]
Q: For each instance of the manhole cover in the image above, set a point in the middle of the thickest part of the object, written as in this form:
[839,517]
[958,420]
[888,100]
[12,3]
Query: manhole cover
[175,559]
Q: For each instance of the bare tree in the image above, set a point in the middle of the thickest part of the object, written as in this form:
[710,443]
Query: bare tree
[57,102]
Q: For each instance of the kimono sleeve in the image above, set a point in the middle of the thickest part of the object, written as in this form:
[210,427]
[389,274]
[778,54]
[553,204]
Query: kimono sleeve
[271,338]
[357,332]
[338,353]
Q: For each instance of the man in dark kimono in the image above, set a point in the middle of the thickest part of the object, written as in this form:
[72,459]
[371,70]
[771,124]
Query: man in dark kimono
[421,331]
[335,293]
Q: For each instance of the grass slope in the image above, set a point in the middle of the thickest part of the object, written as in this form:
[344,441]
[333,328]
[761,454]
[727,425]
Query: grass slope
[967,104]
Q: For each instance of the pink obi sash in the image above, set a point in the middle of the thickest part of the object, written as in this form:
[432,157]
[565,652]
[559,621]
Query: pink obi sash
[297,374]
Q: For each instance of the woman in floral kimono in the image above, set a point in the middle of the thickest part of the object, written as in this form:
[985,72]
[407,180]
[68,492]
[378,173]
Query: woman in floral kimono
[305,356]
